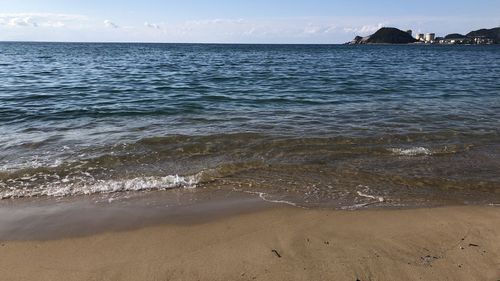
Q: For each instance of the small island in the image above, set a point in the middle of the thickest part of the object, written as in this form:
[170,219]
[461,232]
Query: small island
[391,35]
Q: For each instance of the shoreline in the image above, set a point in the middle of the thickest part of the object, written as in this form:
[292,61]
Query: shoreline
[81,216]
[280,243]
[45,219]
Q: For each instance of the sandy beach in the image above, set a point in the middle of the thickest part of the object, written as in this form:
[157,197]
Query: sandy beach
[249,140]
[282,243]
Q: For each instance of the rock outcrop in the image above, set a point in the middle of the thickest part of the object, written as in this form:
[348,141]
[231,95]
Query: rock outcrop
[385,35]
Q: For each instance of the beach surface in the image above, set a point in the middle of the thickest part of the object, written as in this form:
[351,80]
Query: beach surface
[281,243]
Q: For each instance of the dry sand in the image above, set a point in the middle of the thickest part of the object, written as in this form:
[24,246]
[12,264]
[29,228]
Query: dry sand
[455,243]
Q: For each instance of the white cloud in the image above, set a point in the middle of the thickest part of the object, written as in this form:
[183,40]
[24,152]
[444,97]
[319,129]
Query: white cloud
[22,21]
[110,24]
[39,19]
[312,29]
[365,29]
[152,25]
[214,22]
[58,24]
[63,27]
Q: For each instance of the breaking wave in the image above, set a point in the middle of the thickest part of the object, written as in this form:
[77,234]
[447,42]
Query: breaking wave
[64,188]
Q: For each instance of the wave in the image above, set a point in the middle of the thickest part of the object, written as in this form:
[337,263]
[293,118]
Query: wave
[434,150]
[66,187]
[220,148]
[413,151]
[181,161]
[83,178]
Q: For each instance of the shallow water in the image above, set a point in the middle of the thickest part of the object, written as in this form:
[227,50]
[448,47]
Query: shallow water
[314,125]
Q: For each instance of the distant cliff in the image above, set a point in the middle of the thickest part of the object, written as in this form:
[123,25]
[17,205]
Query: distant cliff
[455,36]
[493,34]
[385,35]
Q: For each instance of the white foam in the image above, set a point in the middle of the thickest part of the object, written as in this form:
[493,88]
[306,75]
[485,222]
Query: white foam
[264,195]
[365,193]
[378,198]
[355,206]
[69,188]
[33,162]
[414,151]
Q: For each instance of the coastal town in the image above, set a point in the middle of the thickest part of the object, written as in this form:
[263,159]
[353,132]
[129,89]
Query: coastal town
[455,38]
[391,35]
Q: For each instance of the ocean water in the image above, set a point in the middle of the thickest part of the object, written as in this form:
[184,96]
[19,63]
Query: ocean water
[310,125]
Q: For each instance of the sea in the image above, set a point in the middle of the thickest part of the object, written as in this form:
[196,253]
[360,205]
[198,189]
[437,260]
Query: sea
[331,126]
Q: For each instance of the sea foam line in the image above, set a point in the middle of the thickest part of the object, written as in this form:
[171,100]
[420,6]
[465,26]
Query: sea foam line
[262,195]
[65,188]
[414,151]
[379,198]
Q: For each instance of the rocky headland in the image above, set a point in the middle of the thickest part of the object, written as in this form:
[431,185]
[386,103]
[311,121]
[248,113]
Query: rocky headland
[391,35]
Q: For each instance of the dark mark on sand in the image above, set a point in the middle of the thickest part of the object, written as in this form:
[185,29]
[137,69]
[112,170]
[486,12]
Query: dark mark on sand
[427,260]
[276,253]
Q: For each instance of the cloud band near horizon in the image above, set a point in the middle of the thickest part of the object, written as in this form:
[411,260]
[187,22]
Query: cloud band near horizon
[75,27]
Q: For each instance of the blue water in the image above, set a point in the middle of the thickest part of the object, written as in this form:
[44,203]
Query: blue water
[117,113]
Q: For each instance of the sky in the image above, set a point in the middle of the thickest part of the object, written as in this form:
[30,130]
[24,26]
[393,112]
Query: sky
[235,21]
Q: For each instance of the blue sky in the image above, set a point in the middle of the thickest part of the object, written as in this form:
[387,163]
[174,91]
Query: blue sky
[225,21]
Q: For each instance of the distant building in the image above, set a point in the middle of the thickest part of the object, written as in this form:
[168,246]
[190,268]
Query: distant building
[429,37]
[409,31]
[454,40]
[483,40]
[420,37]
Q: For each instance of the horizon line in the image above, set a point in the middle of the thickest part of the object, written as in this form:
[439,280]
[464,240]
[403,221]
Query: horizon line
[145,42]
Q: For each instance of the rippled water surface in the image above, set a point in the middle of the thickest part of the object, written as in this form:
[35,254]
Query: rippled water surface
[342,126]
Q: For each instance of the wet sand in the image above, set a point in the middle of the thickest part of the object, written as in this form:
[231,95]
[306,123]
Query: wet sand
[281,243]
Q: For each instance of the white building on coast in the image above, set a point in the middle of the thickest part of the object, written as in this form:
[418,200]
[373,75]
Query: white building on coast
[429,37]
